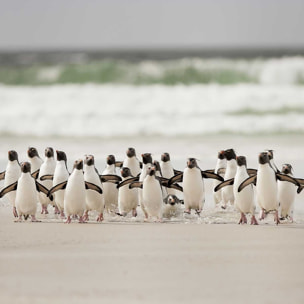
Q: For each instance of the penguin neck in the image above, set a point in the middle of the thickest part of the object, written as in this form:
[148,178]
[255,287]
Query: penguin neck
[13,163]
[89,169]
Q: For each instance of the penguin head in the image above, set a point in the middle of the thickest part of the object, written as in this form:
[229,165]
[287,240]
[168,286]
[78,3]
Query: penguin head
[241,161]
[147,158]
[49,152]
[61,156]
[12,155]
[221,154]
[151,171]
[125,172]
[25,167]
[89,160]
[157,166]
[191,163]
[78,164]
[270,154]
[165,157]
[32,152]
[131,152]
[287,169]
[230,154]
[171,199]
[263,158]
[111,160]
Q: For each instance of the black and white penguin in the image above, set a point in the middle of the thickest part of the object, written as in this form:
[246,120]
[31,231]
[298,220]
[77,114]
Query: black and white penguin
[10,176]
[132,162]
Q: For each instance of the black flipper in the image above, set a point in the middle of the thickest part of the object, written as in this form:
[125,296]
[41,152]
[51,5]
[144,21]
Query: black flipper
[176,187]
[227,182]
[177,171]
[94,187]
[300,189]
[176,178]
[136,185]
[247,181]
[112,178]
[209,170]
[60,186]
[43,189]
[128,181]
[221,171]
[287,178]
[2,175]
[118,164]
[35,174]
[47,177]
[206,174]
[9,188]
[252,172]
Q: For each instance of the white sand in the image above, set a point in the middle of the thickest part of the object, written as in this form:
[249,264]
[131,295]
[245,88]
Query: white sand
[135,262]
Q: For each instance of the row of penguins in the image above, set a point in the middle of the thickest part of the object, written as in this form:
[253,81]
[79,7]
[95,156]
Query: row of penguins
[152,185]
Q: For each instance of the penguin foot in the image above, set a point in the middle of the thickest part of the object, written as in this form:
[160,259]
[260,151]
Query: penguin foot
[100,218]
[134,213]
[56,210]
[33,219]
[19,219]
[276,217]
[62,216]
[243,219]
[15,212]
[187,211]
[262,215]
[68,220]
[253,221]
[81,220]
[85,217]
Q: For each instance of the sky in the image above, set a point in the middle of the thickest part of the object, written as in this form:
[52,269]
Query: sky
[108,24]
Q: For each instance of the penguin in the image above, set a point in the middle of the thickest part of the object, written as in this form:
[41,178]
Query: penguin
[127,198]
[147,162]
[35,161]
[75,195]
[47,168]
[167,170]
[159,174]
[172,206]
[266,186]
[10,176]
[94,200]
[287,194]
[132,162]
[61,174]
[152,197]
[110,191]
[220,168]
[244,200]
[26,193]
[193,185]
[227,192]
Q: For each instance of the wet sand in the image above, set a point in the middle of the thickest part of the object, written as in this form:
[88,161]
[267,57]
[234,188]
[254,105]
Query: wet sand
[150,262]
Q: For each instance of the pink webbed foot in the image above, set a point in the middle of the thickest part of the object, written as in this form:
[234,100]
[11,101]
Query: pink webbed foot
[100,218]
[253,220]
[262,215]
[33,219]
[62,214]
[187,211]
[134,213]
[81,220]
[19,219]
[56,210]
[85,217]
[276,217]
[68,220]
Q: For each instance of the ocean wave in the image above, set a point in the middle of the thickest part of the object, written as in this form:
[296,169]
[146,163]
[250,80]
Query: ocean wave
[187,71]
[158,110]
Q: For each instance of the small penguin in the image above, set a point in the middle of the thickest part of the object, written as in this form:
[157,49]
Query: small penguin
[35,161]
[287,193]
[47,168]
[75,196]
[167,170]
[61,174]
[266,186]
[94,200]
[132,162]
[227,192]
[26,193]
[220,168]
[244,200]
[110,191]
[11,175]
[172,206]
[127,198]
[193,185]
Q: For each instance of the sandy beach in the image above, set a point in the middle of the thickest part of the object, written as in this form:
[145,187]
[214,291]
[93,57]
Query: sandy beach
[211,260]
[150,263]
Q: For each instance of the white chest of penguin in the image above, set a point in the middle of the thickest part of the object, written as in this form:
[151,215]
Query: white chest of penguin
[152,195]
[193,183]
